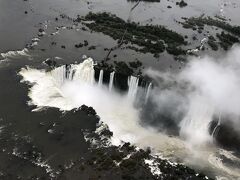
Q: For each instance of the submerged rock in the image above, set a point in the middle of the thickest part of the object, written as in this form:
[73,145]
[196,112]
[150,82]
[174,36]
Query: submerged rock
[79,45]
[181,4]
[88,110]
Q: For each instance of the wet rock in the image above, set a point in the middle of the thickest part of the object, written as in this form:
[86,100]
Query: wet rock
[78,45]
[50,62]
[88,110]
[78,19]
[92,48]
[85,43]
[181,4]
[53,43]
[63,16]
[125,162]
[199,31]
[40,30]
[226,135]
[106,133]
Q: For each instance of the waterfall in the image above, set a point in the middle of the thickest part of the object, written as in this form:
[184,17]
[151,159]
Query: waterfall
[78,72]
[132,87]
[100,79]
[84,72]
[148,91]
[216,129]
[111,80]
[59,75]
[194,126]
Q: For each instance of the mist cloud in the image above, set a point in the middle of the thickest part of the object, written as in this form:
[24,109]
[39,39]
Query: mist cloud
[204,88]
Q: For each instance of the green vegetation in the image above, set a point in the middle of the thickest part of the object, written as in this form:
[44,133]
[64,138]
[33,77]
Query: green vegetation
[135,64]
[150,38]
[92,48]
[181,3]
[176,51]
[212,43]
[226,39]
[200,22]
[123,68]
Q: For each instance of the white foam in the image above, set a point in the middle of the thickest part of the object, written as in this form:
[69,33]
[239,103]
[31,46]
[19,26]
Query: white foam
[153,165]
[10,54]
[35,39]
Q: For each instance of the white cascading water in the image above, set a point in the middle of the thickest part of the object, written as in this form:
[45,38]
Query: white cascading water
[83,72]
[111,80]
[100,80]
[148,92]
[194,126]
[216,128]
[10,54]
[133,87]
